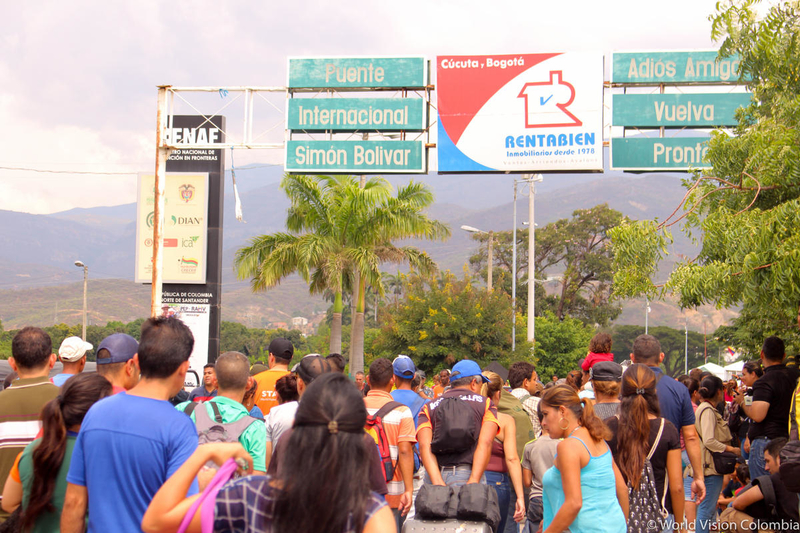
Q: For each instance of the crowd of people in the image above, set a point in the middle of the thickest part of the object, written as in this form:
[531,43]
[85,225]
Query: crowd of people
[611,448]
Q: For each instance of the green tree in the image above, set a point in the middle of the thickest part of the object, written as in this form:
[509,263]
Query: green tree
[575,253]
[673,344]
[441,321]
[746,207]
[560,344]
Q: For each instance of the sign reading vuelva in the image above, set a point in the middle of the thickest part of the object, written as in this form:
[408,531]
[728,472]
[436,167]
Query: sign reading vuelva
[520,113]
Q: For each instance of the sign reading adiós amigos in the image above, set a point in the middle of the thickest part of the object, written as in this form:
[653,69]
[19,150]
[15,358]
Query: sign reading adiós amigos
[520,113]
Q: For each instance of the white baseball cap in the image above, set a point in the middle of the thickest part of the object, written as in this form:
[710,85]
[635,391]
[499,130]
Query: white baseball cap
[72,349]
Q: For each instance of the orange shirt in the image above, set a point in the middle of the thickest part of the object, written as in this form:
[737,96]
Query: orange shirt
[399,427]
[266,397]
[437,391]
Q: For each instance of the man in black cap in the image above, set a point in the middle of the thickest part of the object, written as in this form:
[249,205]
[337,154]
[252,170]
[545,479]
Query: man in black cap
[280,355]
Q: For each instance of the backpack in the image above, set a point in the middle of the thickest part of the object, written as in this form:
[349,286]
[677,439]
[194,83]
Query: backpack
[454,428]
[374,428]
[214,430]
[643,502]
[790,454]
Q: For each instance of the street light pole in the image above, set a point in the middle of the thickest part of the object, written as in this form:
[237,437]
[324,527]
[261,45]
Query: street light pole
[532,258]
[514,275]
[686,346]
[80,264]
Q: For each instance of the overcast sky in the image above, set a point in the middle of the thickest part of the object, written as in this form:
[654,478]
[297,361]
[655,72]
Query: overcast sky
[80,77]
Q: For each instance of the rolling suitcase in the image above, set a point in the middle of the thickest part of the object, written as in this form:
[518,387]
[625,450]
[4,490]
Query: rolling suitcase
[452,525]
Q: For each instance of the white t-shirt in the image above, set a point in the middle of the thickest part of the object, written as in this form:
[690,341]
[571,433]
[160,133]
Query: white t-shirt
[279,419]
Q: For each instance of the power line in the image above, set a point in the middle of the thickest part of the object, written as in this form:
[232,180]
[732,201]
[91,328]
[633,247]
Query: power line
[49,171]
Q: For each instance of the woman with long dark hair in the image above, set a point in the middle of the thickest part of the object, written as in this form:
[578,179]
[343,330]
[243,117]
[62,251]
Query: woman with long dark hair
[584,491]
[44,463]
[504,471]
[322,482]
[715,436]
[640,433]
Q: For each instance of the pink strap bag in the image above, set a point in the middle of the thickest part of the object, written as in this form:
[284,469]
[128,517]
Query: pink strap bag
[208,497]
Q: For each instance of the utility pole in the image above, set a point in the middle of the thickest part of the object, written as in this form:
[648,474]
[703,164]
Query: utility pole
[514,275]
[532,258]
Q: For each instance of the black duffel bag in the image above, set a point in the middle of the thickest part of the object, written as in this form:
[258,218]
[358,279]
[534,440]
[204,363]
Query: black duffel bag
[724,462]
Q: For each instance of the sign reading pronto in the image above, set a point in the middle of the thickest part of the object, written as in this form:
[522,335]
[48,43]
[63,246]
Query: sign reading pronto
[520,113]
[356,156]
[674,153]
[357,73]
[654,68]
[353,114]
[184,231]
[677,110]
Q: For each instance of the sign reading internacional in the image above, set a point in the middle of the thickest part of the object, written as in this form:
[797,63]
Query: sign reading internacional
[673,67]
[353,114]
[357,73]
[520,113]
[184,231]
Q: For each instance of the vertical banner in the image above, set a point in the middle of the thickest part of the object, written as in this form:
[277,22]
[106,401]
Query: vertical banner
[520,113]
[184,233]
[198,305]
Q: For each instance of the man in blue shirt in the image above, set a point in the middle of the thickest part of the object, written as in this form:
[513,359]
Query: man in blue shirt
[404,370]
[675,404]
[131,443]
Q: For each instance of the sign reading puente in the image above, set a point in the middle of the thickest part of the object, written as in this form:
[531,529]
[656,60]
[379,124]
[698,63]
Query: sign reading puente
[322,105]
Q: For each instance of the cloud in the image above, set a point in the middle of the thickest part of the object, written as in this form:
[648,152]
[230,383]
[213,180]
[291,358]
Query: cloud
[80,77]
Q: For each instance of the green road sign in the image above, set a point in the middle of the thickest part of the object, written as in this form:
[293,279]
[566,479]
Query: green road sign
[357,72]
[352,114]
[363,157]
[676,153]
[673,68]
[677,110]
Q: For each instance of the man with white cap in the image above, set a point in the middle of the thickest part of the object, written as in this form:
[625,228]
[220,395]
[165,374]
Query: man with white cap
[72,355]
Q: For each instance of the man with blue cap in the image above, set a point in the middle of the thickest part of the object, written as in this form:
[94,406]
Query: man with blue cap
[456,430]
[117,362]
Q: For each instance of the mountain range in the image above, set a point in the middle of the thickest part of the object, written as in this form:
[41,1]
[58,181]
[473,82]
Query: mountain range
[39,284]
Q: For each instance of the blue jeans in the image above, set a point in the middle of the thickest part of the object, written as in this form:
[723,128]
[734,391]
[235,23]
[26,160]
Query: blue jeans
[502,485]
[455,477]
[707,509]
[535,514]
[758,467]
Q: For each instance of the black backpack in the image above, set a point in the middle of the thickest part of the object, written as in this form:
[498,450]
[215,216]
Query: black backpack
[645,508]
[454,428]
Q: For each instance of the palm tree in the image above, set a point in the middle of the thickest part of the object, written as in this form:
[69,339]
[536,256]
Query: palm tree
[338,234]
[396,217]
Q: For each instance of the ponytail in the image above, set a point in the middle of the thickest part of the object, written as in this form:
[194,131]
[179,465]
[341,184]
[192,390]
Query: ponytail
[638,401]
[66,410]
[47,460]
[597,429]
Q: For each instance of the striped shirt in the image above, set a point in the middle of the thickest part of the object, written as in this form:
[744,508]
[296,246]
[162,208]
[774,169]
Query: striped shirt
[530,405]
[399,427]
[20,407]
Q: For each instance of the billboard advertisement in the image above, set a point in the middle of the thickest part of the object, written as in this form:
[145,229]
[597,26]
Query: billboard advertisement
[184,231]
[520,113]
